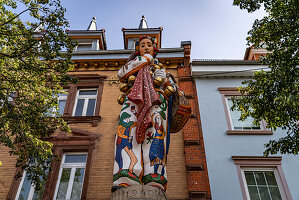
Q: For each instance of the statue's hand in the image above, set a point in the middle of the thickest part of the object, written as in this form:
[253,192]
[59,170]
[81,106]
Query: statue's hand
[150,57]
[160,73]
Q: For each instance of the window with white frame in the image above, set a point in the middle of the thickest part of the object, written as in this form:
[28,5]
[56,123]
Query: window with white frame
[61,97]
[61,102]
[261,184]
[261,178]
[10,97]
[26,190]
[235,115]
[84,46]
[71,176]
[85,102]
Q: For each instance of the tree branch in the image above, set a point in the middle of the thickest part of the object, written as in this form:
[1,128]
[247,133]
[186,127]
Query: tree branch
[16,16]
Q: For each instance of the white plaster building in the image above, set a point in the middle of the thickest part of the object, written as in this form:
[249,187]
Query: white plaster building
[234,149]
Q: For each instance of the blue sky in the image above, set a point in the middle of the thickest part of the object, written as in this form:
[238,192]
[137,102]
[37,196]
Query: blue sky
[216,28]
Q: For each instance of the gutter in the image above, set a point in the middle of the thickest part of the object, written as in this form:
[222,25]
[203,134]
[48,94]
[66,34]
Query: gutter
[201,62]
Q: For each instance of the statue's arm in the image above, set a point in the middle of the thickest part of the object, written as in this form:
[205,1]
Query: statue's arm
[120,132]
[133,66]
[162,136]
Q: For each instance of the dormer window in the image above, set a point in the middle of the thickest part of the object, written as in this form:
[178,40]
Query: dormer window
[131,43]
[132,35]
[87,45]
[84,45]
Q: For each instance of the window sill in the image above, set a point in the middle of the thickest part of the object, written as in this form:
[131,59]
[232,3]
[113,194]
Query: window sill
[249,132]
[83,119]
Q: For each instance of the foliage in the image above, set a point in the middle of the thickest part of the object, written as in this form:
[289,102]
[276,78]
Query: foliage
[273,94]
[30,78]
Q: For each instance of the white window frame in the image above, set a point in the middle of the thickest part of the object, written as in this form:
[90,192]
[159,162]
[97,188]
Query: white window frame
[73,167]
[31,191]
[278,181]
[10,99]
[90,44]
[85,44]
[85,97]
[262,163]
[262,126]
[61,98]
[53,109]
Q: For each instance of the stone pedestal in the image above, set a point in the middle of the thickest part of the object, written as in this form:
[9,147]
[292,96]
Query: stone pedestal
[142,192]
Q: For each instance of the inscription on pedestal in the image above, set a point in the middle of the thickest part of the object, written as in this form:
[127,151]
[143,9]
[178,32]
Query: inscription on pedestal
[139,192]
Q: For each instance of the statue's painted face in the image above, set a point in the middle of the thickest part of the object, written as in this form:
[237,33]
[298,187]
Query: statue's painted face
[127,120]
[158,120]
[146,47]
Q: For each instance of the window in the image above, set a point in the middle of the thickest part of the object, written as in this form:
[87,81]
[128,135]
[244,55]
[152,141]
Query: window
[261,178]
[61,97]
[235,126]
[61,102]
[261,184]
[10,97]
[235,115]
[71,176]
[131,43]
[26,190]
[85,102]
[75,152]
[84,46]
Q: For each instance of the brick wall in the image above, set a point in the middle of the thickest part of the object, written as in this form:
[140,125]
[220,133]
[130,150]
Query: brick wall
[198,181]
[7,171]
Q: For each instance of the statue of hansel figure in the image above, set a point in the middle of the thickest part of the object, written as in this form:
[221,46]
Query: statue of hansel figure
[153,107]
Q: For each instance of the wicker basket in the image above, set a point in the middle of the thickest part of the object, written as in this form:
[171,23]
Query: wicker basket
[181,111]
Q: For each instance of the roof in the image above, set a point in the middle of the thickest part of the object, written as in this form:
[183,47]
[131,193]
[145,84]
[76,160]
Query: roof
[124,54]
[223,62]
[206,68]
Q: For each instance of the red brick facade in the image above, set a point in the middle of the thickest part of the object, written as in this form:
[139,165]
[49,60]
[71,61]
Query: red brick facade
[198,181]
